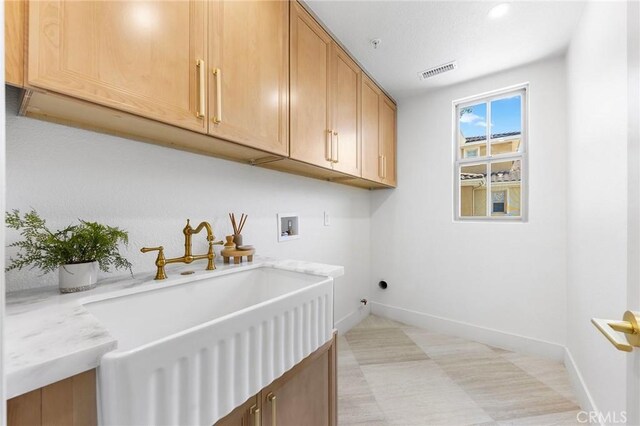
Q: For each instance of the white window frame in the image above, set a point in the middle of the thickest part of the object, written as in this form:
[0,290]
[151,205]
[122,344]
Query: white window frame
[522,154]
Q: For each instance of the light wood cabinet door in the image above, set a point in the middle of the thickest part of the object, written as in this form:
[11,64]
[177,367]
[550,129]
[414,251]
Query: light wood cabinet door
[248,414]
[371,152]
[14,38]
[300,398]
[140,57]
[69,402]
[345,113]
[310,76]
[388,140]
[249,73]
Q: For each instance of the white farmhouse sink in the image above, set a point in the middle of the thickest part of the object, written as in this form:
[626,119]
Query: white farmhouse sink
[190,353]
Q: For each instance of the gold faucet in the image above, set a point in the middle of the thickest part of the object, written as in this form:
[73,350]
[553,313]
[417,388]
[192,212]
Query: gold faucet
[188,231]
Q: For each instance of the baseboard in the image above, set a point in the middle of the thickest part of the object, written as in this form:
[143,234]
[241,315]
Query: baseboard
[577,382]
[500,339]
[352,319]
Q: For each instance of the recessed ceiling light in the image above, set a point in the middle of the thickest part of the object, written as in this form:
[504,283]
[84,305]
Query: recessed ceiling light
[499,10]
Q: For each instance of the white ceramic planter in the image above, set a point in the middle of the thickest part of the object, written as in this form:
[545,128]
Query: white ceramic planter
[77,277]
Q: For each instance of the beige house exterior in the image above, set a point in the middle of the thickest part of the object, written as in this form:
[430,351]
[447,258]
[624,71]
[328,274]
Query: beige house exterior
[505,176]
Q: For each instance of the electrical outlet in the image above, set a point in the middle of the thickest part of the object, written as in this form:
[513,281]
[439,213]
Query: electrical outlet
[327,219]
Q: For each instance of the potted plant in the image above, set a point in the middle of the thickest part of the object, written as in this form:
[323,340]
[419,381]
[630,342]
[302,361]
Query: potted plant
[76,251]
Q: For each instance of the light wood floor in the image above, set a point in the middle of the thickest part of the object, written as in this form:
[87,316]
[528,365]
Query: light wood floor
[393,374]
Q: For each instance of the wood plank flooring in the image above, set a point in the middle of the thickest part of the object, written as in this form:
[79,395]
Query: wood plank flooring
[393,374]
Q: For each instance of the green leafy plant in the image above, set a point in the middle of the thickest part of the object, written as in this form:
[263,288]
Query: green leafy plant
[45,249]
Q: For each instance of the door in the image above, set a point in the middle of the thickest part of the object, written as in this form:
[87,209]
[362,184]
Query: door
[143,57]
[301,397]
[617,295]
[633,280]
[345,113]
[248,414]
[371,153]
[310,55]
[249,73]
[388,140]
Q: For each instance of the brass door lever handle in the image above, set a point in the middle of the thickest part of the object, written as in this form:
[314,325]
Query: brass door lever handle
[630,326]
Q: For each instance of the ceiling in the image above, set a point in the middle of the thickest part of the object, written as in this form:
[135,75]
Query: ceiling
[416,35]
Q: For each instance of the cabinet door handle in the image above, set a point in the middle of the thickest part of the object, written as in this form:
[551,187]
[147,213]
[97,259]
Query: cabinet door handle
[273,400]
[380,166]
[384,167]
[201,95]
[328,147]
[255,411]
[335,156]
[217,118]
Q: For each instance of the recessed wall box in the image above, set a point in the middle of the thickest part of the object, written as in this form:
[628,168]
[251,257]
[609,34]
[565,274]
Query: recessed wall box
[288,226]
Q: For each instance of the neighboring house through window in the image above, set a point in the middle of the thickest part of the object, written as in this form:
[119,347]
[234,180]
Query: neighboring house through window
[490,144]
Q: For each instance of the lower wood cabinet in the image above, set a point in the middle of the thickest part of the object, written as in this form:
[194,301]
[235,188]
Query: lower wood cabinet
[305,395]
[299,398]
[248,414]
[69,402]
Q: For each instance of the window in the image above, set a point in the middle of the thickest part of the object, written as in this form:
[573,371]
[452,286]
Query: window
[471,152]
[490,144]
[498,204]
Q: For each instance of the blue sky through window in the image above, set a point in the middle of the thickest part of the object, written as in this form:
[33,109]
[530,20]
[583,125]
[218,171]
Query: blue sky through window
[505,117]
[473,120]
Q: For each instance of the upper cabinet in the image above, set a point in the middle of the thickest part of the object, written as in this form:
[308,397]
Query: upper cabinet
[14,35]
[388,140]
[325,98]
[256,81]
[345,113]
[146,58]
[249,77]
[371,153]
[378,135]
[310,55]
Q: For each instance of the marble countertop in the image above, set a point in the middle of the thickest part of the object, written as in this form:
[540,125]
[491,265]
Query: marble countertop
[51,336]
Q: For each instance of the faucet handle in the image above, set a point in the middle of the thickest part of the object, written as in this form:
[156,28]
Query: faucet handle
[148,249]
[160,261]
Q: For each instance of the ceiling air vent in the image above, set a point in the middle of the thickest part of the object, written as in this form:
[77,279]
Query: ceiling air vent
[437,70]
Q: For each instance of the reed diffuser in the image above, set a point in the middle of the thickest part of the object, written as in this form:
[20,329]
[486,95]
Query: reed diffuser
[237,228]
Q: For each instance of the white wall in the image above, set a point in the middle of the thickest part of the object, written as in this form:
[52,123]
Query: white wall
[597,197]
[66,173]
[509,277]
